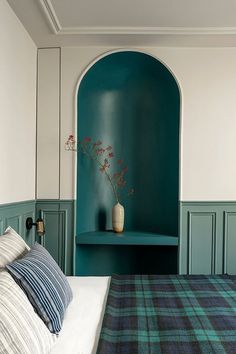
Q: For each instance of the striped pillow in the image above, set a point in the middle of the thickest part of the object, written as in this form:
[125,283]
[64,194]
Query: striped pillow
[45,285]
[21,330]
[12,246]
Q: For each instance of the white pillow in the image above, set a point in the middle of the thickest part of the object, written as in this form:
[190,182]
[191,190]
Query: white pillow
[12,246]
[22,331]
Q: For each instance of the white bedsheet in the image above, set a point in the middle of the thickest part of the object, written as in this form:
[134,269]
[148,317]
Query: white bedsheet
[83,319]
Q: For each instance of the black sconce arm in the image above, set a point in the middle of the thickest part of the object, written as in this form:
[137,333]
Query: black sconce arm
[40,228]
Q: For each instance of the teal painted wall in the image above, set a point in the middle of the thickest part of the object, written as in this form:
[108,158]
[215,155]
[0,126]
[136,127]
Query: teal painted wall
[131,101]
[15,215]
[103,260]
[207,238]
[58,216]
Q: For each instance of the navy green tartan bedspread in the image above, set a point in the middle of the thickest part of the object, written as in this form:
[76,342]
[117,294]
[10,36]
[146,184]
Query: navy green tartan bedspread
[171,314]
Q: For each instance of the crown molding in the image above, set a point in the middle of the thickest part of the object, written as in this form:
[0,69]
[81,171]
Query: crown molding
[51,15]
[149,30]
[93,30]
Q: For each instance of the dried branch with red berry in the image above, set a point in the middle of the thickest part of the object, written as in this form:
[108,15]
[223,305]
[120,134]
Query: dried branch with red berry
[104,157]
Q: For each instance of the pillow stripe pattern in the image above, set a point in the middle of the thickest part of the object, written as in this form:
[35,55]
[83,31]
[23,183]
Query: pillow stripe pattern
[45,285]
[12,246]
[21,330]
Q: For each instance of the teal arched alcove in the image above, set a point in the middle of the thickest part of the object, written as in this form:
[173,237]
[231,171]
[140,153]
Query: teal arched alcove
[131,101]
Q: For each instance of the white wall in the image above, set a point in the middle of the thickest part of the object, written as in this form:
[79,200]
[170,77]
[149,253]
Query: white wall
[207,78]
[17,109]
[48,124]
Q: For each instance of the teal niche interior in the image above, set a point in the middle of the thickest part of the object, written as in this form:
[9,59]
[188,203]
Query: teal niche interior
[131,101]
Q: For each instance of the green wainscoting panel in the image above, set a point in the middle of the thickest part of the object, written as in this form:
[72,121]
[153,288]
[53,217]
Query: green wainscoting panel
[15,215]
[207,242]
[58,216]
[131,101]
[230,242]
[202,238]
[59,239]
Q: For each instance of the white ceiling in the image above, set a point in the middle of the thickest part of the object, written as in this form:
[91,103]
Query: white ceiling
[128,22]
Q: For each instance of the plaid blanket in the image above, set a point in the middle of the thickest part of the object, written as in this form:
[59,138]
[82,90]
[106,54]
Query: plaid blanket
[172,314]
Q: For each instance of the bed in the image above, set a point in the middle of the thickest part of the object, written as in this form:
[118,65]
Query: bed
[83,319]
[150,314]
[42,311]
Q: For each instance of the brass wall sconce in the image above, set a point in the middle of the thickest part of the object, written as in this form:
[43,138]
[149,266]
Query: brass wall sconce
[40,228]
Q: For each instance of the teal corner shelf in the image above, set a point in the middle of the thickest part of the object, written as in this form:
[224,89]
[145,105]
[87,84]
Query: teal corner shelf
[125,238]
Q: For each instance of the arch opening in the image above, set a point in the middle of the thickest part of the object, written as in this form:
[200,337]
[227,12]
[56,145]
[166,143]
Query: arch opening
[131,101]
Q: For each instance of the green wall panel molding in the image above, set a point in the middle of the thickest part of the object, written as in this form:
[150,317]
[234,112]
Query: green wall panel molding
[229,232]
[58,215]
[207,237]
[15,215]
[59,238]
[201,231]
[207,240]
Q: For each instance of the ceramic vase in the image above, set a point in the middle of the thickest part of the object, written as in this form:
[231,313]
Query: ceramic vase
[118,216]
